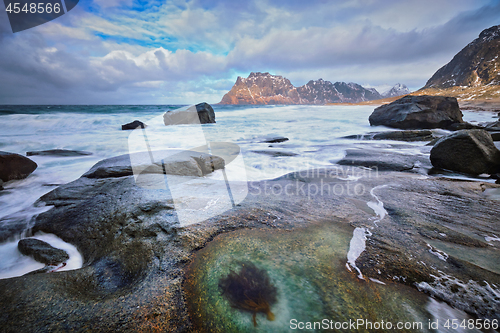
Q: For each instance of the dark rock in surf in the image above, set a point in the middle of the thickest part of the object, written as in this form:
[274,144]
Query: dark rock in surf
[418,112]
[15,166]
[133,125]
[466,151]
[42,251]
[201,113]
[58,152]
[274,153]
[277,139]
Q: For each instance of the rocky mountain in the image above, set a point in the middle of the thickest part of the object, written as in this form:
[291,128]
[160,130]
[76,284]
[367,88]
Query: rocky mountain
[265,88]
[398,90]
[476,65]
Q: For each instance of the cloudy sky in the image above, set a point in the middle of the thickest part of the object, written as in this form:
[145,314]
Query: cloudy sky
[188,51]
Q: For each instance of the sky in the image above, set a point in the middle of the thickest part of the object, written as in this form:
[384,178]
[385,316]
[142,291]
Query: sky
[190,51]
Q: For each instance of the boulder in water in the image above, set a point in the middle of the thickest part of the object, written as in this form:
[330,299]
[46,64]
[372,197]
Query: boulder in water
[467,151]
[15,166]
[42,251]
[201,113]
[133,125]
[418,112]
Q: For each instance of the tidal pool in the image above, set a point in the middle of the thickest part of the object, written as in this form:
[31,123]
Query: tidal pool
[307,266]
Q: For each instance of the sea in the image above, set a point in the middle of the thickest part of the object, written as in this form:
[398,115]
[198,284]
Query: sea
[315,140]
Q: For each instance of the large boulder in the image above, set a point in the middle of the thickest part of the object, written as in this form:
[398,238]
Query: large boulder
[467,151]
[416,112]
[201,113]
[41,251]
[15,166]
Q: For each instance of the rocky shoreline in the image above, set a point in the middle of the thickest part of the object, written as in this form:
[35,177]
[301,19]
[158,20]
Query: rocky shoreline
[136,254]
[350,240]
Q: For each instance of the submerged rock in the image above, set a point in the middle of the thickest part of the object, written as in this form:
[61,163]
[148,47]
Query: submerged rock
[418,112]
[383,160]
[201,113]
[133,125]
[58,152]
[42,252]
[250,290]
[15,166]
[467,151]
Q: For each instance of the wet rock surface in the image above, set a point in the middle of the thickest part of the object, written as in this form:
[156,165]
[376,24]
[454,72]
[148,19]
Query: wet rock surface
[418,112]
[467,151]
[182,163]
[136,253]
[384,160]
[15,166]
[409,136]
[42,251]
[274,153]
[276,139]
[58,152]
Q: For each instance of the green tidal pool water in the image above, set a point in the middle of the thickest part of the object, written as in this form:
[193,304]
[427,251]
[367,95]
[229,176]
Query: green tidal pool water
[307,267]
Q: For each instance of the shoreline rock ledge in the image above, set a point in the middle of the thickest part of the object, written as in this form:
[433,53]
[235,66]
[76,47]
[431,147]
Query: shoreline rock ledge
[419,112]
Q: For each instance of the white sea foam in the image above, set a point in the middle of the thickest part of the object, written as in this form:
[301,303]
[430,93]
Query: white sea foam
[13,263]
[356,247]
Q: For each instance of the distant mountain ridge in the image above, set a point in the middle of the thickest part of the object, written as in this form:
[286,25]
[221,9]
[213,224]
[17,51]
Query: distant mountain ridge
[476,65]
[265,88]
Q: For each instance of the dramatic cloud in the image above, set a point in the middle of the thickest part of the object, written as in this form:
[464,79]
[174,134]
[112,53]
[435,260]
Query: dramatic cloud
[126,51]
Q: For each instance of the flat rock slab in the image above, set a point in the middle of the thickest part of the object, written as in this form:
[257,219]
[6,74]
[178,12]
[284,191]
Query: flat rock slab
[42,252]
[408,136]
[59,152]
[15,166]
[181,163]
[383,160]
[274,153]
